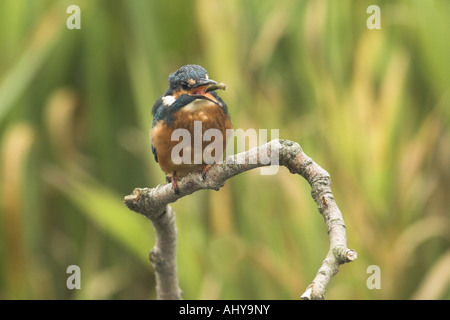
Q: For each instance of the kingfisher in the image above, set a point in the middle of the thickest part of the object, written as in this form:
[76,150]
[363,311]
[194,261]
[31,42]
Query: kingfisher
[191,97]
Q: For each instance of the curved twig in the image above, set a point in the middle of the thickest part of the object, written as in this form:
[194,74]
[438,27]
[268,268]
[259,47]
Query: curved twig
[153,203]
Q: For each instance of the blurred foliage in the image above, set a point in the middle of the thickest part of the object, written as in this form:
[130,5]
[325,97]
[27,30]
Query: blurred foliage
[370,106]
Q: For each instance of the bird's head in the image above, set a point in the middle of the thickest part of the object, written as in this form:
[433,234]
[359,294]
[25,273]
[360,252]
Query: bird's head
[192,80]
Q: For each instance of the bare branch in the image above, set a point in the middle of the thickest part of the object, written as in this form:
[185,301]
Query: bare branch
[153,203]
[163,254]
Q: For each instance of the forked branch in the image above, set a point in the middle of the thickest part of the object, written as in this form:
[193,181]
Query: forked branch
[153,203]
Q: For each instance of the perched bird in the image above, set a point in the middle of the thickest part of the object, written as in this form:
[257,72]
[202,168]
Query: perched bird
[191,97]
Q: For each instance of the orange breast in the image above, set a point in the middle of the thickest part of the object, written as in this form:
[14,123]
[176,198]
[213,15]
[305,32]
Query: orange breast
[210,115]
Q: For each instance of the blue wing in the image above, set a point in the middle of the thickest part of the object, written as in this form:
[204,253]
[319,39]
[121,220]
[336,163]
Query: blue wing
[156,112]
[154,153]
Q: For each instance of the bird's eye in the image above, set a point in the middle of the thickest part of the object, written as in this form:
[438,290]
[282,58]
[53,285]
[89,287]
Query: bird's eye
[184,85]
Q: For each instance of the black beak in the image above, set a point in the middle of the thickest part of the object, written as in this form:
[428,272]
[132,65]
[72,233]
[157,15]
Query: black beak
[204,82]
[209,85]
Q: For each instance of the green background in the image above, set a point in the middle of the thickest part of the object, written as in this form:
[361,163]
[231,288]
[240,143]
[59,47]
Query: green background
[371,107]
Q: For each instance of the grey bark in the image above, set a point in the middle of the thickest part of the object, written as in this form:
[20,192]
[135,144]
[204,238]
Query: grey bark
[154,204]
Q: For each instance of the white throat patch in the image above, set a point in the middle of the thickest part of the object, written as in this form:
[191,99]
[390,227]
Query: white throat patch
[168,100]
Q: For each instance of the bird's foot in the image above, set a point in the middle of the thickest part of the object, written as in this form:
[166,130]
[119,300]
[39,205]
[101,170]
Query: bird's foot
[205,169]
[175,183]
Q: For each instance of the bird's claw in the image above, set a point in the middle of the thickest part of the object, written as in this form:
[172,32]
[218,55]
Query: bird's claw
[205,169]
[175,183]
